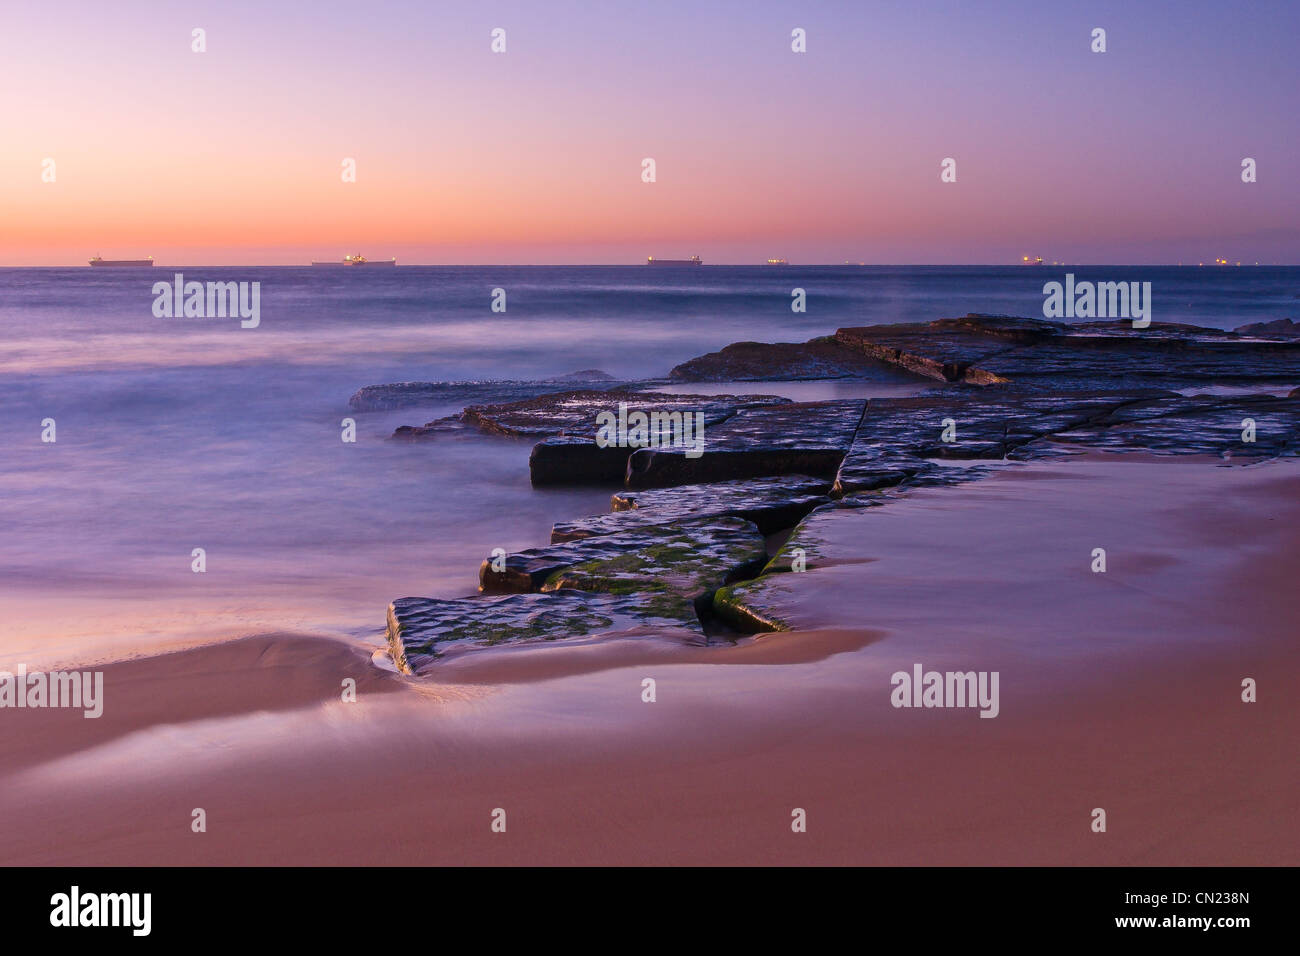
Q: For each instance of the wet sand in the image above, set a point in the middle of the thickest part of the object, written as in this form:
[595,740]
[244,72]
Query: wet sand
[1119,691]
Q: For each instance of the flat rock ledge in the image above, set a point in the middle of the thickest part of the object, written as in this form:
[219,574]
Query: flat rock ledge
[693,550]
[421,630]
[661,574]
[819,358]
[572,413]
[988,350]
[772,504]
[684,548]
[803,438]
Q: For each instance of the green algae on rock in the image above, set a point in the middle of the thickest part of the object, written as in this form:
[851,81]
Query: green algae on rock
[721,546]
[681,569]
[755,606]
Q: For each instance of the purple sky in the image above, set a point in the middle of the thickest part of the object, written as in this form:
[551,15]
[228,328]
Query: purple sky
[534,155]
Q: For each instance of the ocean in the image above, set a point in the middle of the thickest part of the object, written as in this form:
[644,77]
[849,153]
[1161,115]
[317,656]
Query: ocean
[180,433]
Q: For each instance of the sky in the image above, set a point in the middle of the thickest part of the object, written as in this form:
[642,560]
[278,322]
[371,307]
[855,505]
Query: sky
[534,155]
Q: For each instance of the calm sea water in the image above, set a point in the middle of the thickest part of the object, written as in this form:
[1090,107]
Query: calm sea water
[183,433]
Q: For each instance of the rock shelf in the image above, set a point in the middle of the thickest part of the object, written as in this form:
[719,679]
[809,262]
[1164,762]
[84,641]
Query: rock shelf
[704,544]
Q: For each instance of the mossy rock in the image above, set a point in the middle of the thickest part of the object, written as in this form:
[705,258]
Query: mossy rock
[752,606]
[707,549]
[421,629]
[679,567]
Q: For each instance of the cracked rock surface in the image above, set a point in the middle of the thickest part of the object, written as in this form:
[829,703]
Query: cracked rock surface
[683,546]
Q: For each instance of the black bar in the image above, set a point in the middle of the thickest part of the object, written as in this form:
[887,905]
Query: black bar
[965,905]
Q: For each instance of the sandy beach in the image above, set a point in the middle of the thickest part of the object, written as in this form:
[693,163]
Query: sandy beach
[1119,690]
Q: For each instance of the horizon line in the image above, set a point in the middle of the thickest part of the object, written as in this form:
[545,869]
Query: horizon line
[746,264]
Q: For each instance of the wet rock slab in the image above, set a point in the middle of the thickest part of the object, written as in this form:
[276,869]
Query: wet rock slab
[900,440]
[819,358]
[1197,425]
[1110,362]
[948,350]
[759,605]
[899,437]
[573,412]
[567,423]
[1105,354]
[421,629]
[675,575]
[770,503]
[803,438]
[712,548]
[576,460]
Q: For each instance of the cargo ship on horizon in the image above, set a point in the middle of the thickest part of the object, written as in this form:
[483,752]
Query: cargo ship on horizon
[692,261]
[358,260]
[138,263]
